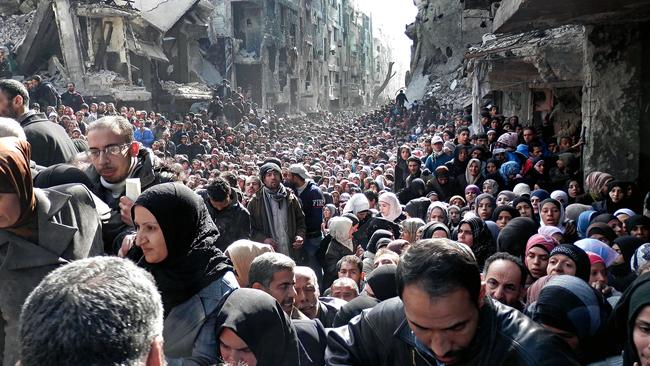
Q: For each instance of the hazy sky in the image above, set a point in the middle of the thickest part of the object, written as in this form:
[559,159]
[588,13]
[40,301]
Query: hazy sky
[393,16]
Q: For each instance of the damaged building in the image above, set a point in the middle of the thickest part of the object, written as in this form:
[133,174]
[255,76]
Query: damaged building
[581,67]
[287,55]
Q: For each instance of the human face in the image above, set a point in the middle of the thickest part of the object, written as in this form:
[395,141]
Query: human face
[641,335]
[413,167]
[149,237]
[503,282]
[560,264]
[462,154]
[384,260]
[272,180]
[384,208]
[535,202]
[616,194]
[537,261]
[405,154]
[234,351]
[524,210]
[484,209]
[537,152]
[440,234]
[465,235]
[598,274]
[346,293]
[473,169]
[8,107]
[641,232]
[470,196]
[454,216]
[113,168]
[529,136]
[463,137]
[502,200]
[573,189]
[281,288]
[220,205]
[445,324]
[437,215]
[487,188]
[350,270]
[9,209]
[491,168]
[550,214]
[306,295]
[503,219]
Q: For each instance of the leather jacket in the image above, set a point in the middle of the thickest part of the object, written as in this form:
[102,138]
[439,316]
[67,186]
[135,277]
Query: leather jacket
[504,337]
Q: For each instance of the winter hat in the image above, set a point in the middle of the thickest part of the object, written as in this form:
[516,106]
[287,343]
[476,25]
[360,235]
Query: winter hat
[513,238]
[596,246]
[269,167]
[357,203]
[540,193]
[578,256]
[637,220]
[508,139]
[521,189]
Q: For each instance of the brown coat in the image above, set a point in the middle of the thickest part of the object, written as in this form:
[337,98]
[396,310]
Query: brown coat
[261,230]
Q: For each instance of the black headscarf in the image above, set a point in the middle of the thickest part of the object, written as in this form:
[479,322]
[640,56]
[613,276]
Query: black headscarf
[193,261]
[513,238]
[483,244]
[622,275]
[59,174]
[382,282]
[260,322]
[634,299]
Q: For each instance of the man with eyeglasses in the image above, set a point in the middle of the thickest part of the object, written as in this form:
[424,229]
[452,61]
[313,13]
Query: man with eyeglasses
[116,156]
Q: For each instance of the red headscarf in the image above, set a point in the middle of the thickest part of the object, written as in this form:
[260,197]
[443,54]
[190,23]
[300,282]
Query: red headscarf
[16,177]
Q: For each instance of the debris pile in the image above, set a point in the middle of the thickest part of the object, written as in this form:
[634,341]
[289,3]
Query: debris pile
[14,28]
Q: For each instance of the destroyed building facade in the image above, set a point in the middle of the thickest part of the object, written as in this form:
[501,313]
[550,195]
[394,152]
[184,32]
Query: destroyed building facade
[581,67]
[288,55]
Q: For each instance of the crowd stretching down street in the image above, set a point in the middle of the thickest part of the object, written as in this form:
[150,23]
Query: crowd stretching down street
[238,236]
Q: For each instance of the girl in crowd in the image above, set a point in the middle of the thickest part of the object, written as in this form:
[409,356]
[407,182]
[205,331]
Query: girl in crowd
[538,250]
[475,234]
[485,205]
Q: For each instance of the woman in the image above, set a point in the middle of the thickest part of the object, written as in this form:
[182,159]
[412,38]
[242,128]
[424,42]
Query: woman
[570,260]
[475,234]
[40,229]
[472,174]
[595,187]
[601,231]
[253,330]
[523,205]
[612,221]
[615,199]
[575,312]
[505,197]
[621,272]
[623,214]
[536,197]
[241,254]
[410,228]
[631,317]
[503,214]
[538,250]
[573,190]
[457,201]
[437,212]
[561,197]
[551,213]
[453,213]
[510,174]
[584,220]
[485,205]
[490,186]
[341,230]
[435,230]
[390,208]
[178,241]
[329,211]
[471,191]
[458,164]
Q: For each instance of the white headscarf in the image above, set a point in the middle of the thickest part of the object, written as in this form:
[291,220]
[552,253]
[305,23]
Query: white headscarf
[393,202]
[340,230]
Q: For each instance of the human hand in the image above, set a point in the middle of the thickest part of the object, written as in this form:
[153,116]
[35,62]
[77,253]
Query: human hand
[297,244]
[125,210]
[127,244]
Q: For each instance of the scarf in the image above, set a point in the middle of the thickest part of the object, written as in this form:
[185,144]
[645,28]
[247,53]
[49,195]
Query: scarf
[340,231]
[193,261]
[16,177]
[276,213]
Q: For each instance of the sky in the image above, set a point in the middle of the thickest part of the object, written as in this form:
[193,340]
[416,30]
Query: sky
[393,16]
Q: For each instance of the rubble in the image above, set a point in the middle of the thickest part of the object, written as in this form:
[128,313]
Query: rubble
[189,91]
[14,28]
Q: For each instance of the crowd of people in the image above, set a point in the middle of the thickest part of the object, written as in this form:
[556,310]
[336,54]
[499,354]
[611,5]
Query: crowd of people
[400,236]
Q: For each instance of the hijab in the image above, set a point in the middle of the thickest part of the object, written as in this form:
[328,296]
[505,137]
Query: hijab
[508,169]
[513,238]
[492,184]
[241,254]
[595,184]
[470,179]
[340,231]
[432,227]
[598,247]
[556,203]
[584,220]
[482,244]
[633,300]
[259,321]
[578,256]
[16,177]
[602,229]
[510,195]
[574,210]
[393,202]
[193,261]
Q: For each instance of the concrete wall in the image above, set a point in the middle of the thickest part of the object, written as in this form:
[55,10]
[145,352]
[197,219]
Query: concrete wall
[612,93]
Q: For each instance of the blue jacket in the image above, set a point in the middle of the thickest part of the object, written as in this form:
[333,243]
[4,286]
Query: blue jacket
[432,163]
[145,137]
[312,202]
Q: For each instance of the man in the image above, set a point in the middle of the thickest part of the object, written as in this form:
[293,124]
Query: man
[442,317]
[351,267]
[71,98]
[114,157]
[276,216]
[385,256]
[273,273]
[72,309]
[401,99]
[504,276]
[345,289]
[44,93]
[312,202]
[144,135]
[195,148]
[463,137]
[50,142]
[232,220]
[308,299]
[437,156]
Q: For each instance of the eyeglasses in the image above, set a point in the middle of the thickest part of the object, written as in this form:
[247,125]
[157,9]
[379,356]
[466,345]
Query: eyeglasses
[111,150]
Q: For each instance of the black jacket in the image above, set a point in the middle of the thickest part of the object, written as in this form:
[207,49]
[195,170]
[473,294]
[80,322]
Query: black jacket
[46,95]
[150,173]
[234,222]
[381,336]
[73,100]
[50,143]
